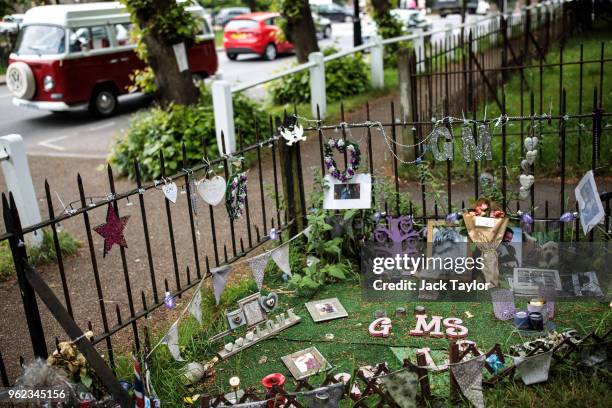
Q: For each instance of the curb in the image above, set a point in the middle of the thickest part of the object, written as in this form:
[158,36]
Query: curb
[2,79]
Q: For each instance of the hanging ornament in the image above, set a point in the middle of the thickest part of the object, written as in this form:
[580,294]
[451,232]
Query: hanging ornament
[568,217]
[169,301]
[112,230]
[432,144]
[273,234]
[212,190]
[170,190]
[471,151]
[525,217]
[292,134]
[235,195]
[353,161]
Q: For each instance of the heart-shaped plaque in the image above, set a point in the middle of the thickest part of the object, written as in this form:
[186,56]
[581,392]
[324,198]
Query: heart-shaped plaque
[268,302]
[249,336]
[229,347]
[526,181]
[523,193]
[212,190]
[531,143]
[170,191]
[239,341]
[531,156]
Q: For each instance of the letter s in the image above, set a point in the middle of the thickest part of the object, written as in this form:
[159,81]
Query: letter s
[454,328]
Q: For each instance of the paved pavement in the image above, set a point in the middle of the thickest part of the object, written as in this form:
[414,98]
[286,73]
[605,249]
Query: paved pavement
[77,134]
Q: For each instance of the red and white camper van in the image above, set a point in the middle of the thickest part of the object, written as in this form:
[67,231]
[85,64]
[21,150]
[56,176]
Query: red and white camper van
[71,56]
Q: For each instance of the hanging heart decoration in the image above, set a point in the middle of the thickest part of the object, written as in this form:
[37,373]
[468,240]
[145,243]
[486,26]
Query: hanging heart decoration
[212,190]
[526,181]
[531,156]
[523,193]
[525,165]
[170,191]
[531,143]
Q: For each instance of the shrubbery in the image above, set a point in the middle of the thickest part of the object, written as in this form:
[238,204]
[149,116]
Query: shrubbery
[164,129]
[344,76]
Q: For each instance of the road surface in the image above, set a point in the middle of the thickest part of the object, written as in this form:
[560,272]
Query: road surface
[77,134]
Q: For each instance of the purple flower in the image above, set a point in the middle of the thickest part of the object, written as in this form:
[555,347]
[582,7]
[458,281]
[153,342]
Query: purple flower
[452,217]
[169,301]
[568,217]
[526,218]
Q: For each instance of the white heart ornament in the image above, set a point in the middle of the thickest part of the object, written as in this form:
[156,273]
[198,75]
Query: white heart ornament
[249,336]
[526,181]
[525,165]
[239,341]
[523,193]
[531,143]
[229,347]
[170,191]
[531,156]
[212,190]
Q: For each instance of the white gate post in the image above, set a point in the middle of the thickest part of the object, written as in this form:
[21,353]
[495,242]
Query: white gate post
[419,48]
[377,69]
[317,85]
[224,115]
[19,182]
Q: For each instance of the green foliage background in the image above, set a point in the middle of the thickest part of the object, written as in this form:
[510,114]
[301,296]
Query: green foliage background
[165,129]
[344,76]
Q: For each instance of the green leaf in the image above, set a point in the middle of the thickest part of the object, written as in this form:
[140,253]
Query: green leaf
[336,271]
[348,214]
[309,283]
[86,380]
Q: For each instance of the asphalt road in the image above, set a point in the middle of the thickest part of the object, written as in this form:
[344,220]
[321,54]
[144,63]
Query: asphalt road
[77,134]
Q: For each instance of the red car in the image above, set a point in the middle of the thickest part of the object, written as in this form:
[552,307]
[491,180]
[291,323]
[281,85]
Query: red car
[255,33]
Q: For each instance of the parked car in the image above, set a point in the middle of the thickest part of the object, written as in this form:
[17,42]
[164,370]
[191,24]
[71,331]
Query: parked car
[446,7]
[81,55]
[255,33]
[226,14]
[412,19]
[11,23]
[334,12]
[323,26]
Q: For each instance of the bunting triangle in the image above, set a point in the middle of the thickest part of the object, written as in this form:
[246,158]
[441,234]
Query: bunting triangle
[281,257]
[171,340]
[468,375]
[195,307]
[258,266]
[219,278]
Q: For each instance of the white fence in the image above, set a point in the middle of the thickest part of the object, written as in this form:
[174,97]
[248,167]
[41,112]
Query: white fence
[222,90]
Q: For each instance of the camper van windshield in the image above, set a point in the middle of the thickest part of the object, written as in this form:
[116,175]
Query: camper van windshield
[41,40]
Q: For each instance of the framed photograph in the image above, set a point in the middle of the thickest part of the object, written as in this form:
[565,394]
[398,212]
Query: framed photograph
[326,309]
[509,252]
[235,319]
[305,363]
[531,280]
[589,203]
[355,193]
[586,284]
[253,313]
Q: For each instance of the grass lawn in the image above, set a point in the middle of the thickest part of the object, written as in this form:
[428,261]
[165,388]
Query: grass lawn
[352,346]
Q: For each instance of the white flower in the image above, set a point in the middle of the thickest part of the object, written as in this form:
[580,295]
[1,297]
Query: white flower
[340,142]
[331,142]
[350,147]
[331,168]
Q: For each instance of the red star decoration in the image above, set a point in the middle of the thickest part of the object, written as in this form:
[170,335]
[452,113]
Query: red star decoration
[112,231]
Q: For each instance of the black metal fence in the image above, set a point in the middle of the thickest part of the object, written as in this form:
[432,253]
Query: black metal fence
[280,178]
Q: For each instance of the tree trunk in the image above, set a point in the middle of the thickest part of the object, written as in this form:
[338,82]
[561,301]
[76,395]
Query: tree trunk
[172,85]
[381,7]
[300,30]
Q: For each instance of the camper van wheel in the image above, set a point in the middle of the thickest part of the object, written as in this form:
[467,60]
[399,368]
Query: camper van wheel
[232,56]
[103,101]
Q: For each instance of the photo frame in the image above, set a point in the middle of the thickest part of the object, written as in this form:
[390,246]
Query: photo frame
[530,281]
[589,203]
[253,313]
[326,309]
[355,193]
[586,284]
[304,363]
